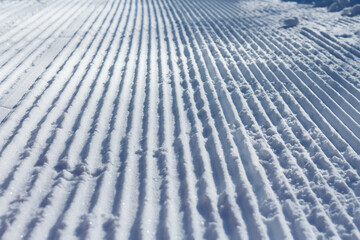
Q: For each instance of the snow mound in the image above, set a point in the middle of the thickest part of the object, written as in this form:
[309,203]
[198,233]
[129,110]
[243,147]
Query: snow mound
[351,7]
[338,5]
[352,11]
[291,22]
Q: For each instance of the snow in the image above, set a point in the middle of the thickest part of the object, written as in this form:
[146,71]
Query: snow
[291,22]
[179,119]
[333,5]
[352,11]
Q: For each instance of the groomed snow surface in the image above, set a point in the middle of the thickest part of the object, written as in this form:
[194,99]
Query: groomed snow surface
[178,119]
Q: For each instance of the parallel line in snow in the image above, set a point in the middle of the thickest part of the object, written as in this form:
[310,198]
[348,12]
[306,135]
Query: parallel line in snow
[23,30]
[79,43]
[169,119]
[11,78]
[11,59]
[222,103]
[75,126]
[253,107]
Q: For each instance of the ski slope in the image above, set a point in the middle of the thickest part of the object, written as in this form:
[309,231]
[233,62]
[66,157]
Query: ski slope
[178,119]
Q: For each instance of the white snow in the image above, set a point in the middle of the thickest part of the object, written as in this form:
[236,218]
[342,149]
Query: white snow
[179,119]
[291,22]
[352,11]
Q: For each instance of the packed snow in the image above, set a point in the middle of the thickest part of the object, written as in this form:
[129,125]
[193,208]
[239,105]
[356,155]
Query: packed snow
[291,22]
[179,119]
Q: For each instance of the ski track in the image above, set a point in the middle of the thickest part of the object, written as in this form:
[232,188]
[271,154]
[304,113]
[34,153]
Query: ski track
[169,119]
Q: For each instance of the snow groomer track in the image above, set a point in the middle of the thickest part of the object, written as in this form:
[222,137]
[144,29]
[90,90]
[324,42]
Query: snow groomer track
[178,119]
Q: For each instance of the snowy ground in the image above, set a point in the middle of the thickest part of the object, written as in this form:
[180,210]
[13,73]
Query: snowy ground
[178,119]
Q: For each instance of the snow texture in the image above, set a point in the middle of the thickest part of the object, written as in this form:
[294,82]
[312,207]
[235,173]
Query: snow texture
[352,11]
[178,119]
[291,22]
[334,5]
